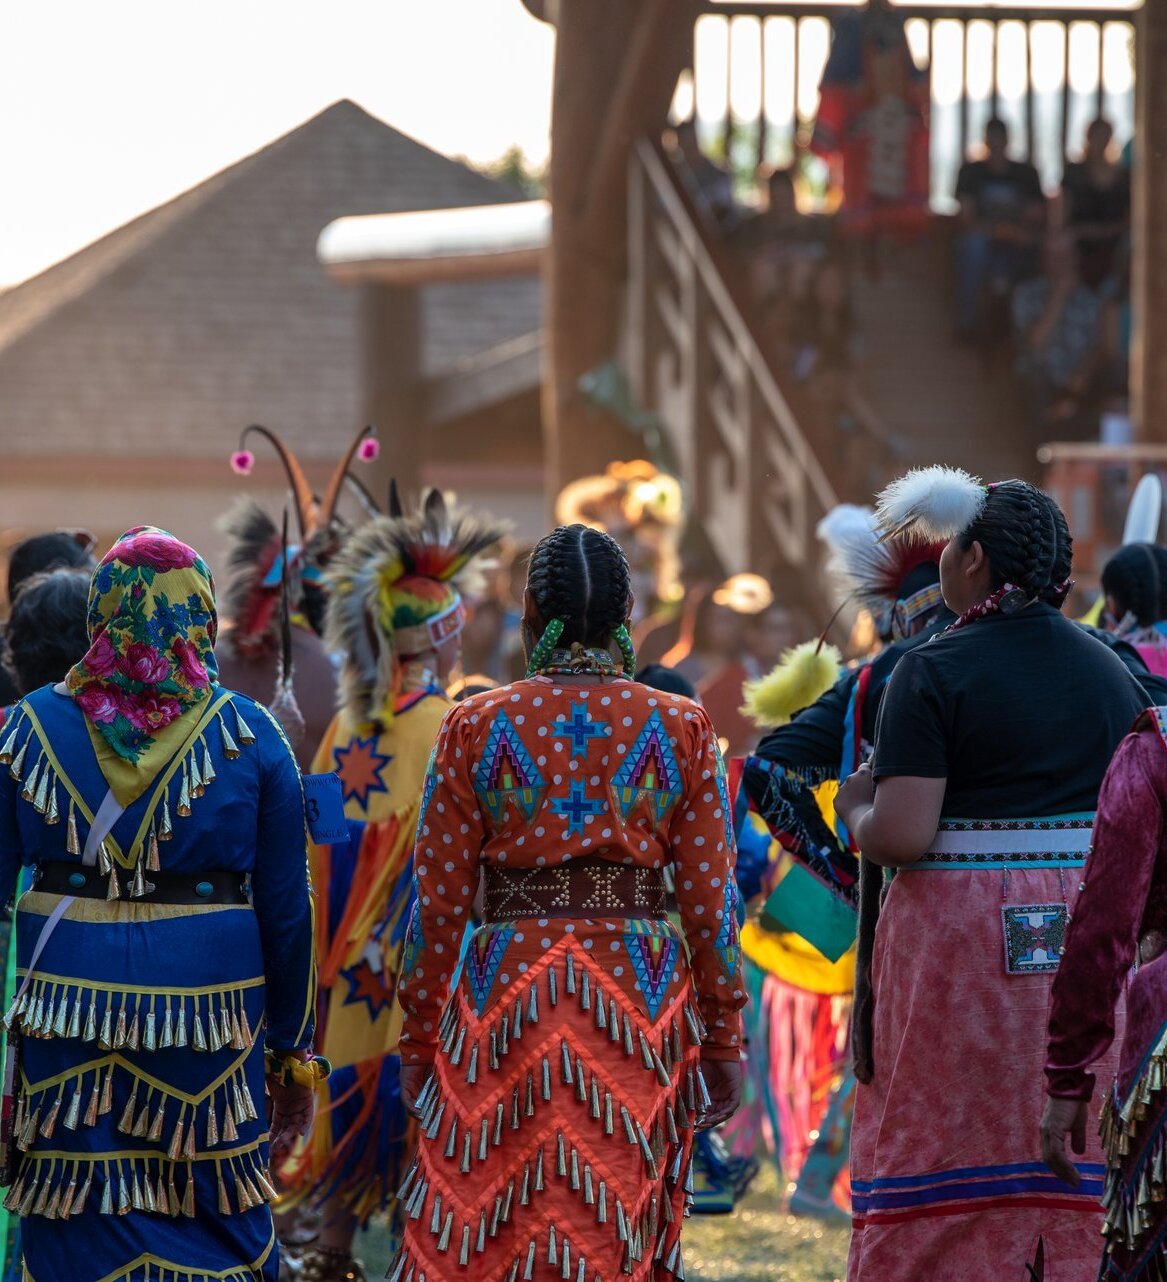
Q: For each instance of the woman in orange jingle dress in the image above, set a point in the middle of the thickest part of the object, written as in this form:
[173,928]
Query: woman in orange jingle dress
[559,1087]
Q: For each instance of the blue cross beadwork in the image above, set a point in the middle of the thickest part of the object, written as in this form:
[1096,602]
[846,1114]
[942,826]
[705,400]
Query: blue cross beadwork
[577,808]
[581,730]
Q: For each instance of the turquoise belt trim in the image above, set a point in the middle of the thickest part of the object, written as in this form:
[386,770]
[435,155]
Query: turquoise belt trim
[1053,841]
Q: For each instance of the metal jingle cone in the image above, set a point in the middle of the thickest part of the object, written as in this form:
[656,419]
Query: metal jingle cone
[16,765]
[140,885]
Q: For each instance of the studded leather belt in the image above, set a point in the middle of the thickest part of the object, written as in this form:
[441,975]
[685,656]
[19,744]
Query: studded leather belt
[59,877]
[584,887]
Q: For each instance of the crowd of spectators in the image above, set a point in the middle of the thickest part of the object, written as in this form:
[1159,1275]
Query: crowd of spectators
[1045,278]
[1051,277]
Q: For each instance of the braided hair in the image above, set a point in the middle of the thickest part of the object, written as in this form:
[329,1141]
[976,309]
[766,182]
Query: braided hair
[1026,540]
[581,585]
[1136,577]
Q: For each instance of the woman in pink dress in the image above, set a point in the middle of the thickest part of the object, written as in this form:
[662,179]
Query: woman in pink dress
[991,746]
[1120,913]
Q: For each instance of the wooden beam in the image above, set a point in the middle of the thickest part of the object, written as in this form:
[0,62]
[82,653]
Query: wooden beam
[929,12]
[618,128]
[1149,229]
[613,83]
[390,328]
[500,374]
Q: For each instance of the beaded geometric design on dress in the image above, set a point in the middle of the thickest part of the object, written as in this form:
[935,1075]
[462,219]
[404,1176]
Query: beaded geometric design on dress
[483,959]
[649,774]
[654,959]
[506,774]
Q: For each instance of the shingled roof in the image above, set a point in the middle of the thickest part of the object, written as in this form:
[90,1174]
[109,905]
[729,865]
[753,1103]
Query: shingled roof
[211,311]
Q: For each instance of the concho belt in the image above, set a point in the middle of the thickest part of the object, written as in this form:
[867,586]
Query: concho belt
[585,887]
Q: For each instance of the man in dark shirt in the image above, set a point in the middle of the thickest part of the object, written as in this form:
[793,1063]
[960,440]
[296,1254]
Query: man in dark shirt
[1002,216]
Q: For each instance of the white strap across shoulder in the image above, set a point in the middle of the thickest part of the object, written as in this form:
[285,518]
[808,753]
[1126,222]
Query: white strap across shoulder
[108,813]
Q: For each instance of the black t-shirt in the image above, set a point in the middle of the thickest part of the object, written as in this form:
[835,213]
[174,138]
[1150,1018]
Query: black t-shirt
[1020,713]
[1089,203]
[999,197]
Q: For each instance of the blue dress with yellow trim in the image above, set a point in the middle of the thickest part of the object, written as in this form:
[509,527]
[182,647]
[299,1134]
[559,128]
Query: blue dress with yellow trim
[141,1113]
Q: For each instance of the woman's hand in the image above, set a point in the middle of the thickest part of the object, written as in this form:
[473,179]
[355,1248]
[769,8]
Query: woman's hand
[413,1079]
[723,1080]
[292,1109]
[855,792]
[1063,1117]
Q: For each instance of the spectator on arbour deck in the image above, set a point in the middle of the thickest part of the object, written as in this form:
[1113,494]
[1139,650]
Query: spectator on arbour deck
[1095,204]
[1056,322]
[710,185]
[1002,214]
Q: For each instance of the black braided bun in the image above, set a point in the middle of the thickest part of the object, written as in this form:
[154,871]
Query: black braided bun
[1026,539]
[1136,577]
[580,576]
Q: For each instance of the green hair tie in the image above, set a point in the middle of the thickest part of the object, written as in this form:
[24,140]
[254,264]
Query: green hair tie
[627,653]
[543,651]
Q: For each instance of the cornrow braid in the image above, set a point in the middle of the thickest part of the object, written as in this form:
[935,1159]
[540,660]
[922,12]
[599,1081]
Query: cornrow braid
[1026,539]
[579,577]
[1136,577]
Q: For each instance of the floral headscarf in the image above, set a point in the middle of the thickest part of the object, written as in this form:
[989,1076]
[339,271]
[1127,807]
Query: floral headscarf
[150,666]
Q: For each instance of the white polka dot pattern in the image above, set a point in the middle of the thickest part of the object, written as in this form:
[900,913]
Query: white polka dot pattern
[499,796]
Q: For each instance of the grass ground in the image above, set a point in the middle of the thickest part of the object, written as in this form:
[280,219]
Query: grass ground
[758,1243]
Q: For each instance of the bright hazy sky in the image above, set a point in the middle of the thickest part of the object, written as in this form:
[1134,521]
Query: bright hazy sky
[108,107]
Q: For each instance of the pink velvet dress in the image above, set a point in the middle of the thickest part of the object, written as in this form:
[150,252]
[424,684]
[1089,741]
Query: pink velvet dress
[1122,905]
[946,1173]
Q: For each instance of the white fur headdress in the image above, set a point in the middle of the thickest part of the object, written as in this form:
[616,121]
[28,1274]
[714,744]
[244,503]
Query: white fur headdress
[930,503]
[864,567]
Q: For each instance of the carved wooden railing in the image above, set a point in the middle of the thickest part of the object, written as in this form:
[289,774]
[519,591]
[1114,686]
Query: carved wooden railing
[751,478]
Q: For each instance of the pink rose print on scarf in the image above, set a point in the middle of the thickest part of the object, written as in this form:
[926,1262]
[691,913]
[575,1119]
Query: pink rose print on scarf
[99,703]
[102,659]
[150,711]
[189,663]
[155,551]
[144,663]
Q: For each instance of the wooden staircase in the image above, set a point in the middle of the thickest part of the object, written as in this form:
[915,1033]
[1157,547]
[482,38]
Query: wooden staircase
[752,469]
[945,402]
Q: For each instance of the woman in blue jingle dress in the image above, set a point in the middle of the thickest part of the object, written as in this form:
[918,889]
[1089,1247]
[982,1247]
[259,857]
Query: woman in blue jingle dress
[167,940]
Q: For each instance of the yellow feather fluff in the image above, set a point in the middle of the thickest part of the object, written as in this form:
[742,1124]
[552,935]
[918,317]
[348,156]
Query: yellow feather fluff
[804,674]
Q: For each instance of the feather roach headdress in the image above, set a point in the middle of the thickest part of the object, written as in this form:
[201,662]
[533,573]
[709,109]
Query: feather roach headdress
[889,577]
[263,568]
[313,513]
[396,589]
[930,504]
[253,553]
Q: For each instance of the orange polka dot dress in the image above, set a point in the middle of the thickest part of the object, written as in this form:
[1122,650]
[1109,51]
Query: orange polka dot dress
[558,1121]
